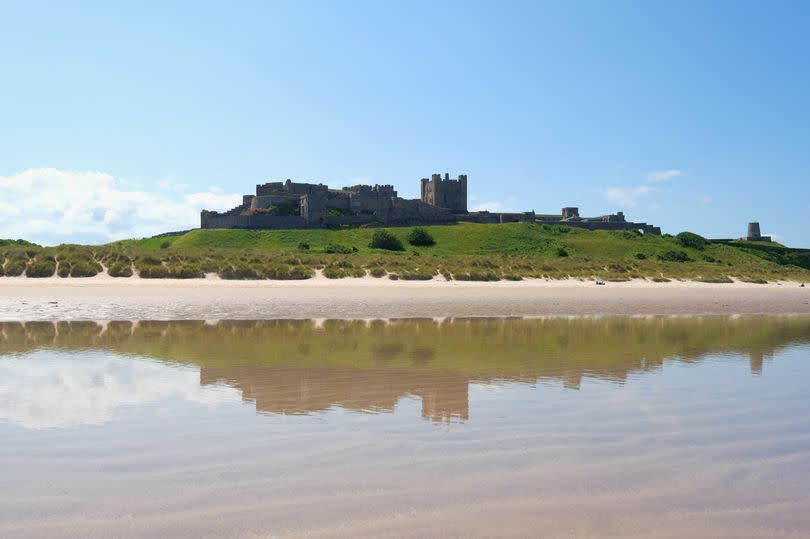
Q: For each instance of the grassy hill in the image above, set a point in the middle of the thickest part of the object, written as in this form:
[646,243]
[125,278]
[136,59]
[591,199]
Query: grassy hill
[464,252]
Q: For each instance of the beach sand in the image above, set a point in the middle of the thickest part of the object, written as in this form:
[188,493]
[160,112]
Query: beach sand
[106,298]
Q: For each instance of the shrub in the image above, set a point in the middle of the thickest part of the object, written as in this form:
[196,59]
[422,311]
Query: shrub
[476,275]
[384,239]
[722,279]
[674,256]
[119,269]
[336,272]
[185,271]
[166,244]
[41,267]
[416,276]
[421,238]
[239,272]
[562,252]
[150,260]
[15,267]
[286,273]
[377,272]
[64,269]
[84,268]
[690,239]
[334,248]
[303,246]
[153,272]
[641,256]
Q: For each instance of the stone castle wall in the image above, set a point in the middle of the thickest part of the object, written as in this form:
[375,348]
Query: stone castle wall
[443,201]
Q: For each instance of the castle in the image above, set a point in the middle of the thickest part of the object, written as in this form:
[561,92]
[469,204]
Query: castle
[292,205]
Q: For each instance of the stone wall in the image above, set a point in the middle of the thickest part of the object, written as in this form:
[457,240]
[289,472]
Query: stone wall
[445,193]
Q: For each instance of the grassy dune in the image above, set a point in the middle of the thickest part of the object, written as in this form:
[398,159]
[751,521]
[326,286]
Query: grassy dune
[464,252]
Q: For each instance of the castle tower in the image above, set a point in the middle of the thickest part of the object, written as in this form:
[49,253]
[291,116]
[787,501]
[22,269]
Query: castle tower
[753,231]
[445,192]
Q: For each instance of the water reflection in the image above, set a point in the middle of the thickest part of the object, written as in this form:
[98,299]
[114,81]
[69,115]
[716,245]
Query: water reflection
[69,373]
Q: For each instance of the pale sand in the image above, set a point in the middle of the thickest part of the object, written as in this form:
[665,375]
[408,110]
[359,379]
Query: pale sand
[107,298]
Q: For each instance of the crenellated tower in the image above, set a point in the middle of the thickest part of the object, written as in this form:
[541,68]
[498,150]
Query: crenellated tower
[446,193]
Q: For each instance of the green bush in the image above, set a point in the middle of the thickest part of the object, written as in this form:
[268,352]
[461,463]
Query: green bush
[185,271]
[384,239]
[166,244]
[334,248]
[377,272]
[15,267]
[334,271]
[287,273]
[41,267]
[421,238]
[153,272]
[84,268]
[416,276]
[562,252]
[641,256]
[240,272]
[303,246]
[476,275]
[64,269]
[674,256]
[692,240]
[119,269]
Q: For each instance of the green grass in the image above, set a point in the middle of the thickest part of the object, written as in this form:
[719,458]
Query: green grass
[465,251]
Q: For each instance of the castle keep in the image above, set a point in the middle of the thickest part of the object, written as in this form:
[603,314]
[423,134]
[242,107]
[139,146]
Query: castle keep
[291,205]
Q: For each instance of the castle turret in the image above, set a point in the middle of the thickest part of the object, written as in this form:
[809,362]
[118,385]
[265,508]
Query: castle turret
[445,192]
[753,231]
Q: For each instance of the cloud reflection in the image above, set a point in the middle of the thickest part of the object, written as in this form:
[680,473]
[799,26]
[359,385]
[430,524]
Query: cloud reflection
[47,389]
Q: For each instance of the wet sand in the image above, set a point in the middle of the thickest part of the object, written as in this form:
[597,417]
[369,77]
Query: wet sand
[611,427]
[106,298]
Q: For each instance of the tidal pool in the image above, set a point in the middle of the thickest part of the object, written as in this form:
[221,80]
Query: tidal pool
[559,427]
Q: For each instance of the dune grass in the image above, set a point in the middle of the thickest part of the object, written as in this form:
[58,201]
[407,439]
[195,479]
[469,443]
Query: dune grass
[465,251]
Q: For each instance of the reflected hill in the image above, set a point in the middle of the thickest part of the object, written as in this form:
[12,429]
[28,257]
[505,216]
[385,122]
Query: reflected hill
[299,367]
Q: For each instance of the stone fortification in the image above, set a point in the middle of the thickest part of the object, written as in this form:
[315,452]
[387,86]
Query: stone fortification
[291,205]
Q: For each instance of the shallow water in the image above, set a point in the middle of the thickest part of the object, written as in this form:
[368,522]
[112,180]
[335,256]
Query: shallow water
[571,427]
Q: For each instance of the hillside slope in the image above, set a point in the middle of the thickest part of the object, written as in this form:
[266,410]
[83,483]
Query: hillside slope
[465,251]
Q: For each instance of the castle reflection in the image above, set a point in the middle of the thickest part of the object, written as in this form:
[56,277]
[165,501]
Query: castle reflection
[302,367]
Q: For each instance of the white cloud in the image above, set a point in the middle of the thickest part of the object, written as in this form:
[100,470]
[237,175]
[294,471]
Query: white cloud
[779,238]
[495,206]
[46,389]
[663,175]
[52,206]
[627,197]
[706,199]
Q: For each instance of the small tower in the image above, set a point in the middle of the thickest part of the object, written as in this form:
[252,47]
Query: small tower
[754,233]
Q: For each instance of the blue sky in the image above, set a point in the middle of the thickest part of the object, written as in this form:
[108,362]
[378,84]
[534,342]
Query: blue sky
[124,119]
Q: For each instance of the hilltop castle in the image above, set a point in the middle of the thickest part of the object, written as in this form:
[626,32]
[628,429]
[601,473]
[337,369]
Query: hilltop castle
[291,205]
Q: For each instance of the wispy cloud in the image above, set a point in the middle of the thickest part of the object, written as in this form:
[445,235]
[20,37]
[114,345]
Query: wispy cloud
[627,197]
[496,206]
[663,175]
[779,238]
[51,206]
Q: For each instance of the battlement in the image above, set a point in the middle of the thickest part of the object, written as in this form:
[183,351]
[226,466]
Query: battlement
[288,204]
[446,192]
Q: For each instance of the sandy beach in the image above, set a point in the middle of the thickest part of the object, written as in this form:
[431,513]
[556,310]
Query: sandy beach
[106,298]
